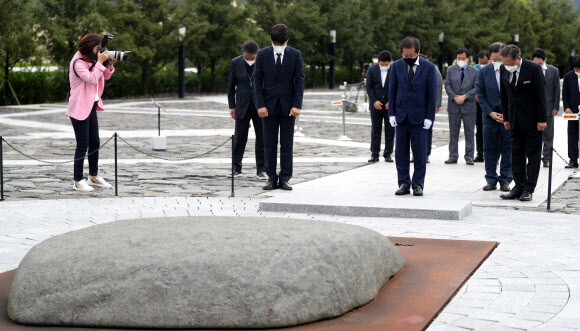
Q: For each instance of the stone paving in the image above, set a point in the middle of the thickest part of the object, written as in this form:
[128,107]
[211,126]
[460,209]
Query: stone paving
[531,281]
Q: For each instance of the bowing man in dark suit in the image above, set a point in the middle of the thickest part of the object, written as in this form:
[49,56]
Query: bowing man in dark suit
[571,100]
[377,85]
[243,108]
[279,89]
[412,102]
[523,101]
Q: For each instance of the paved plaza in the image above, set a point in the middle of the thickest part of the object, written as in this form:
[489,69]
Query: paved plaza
[531,280]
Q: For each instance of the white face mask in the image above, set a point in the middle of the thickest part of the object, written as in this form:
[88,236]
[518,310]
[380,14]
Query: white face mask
[496,65]
[511,69]
[279,49]
[385,68]
[375,61]
[250,63]
[462,64]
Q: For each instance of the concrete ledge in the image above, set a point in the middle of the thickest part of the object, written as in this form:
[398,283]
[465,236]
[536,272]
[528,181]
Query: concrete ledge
[415,207]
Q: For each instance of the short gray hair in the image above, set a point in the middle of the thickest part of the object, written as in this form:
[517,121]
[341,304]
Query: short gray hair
[250,47]
[496,47]
[511,50]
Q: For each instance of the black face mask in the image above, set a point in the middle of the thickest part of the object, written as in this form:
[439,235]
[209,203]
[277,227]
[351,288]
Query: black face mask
[410,60]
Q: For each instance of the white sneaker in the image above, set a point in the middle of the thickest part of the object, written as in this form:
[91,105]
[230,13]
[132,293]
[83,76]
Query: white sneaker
[82,186]
[99,182]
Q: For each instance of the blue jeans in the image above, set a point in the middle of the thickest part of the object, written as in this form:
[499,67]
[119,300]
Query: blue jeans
[87,136]
[497,143]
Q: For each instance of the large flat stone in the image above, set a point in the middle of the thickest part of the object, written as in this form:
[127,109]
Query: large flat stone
[404,207]
[201,272]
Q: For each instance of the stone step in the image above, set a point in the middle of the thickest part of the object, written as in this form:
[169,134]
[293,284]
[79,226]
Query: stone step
[397,207]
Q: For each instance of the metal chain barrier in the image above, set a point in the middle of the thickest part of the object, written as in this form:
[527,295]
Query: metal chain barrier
[560,156]
[174,159]
[55,162]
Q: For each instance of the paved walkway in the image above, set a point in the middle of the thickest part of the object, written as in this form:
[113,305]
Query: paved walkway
[531,281]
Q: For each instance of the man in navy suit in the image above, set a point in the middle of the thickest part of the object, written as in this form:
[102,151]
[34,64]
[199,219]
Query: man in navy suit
[496,138]
[279,89]
[571,99]
[242,107]
[412,102]
[377,85]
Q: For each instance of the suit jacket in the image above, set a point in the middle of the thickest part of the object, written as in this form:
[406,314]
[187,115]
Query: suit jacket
[288,86]
[454,87]
[488,92]
[242,96]
[570,92]
[414,100]
[375,88]
[525,106]
[552,79]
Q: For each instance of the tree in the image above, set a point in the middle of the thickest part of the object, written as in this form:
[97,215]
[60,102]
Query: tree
[17,38]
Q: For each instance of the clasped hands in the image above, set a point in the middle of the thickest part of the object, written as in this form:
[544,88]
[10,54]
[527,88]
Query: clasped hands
[263,112]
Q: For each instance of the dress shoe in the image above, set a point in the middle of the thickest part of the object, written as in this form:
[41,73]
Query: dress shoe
[546,163]
[526,196]
[261,175]
[417,190]
[236,173]
[403,190]
[478,158]
[490,187]
[271,185]
[389,159]
[572,165]
[469,162]
[373,159]
[512,195]
[451,161]
[504,187]
[285,186]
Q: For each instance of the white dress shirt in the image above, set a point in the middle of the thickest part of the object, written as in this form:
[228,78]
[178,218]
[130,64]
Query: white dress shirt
[544,68]
[497,77]
[415,66]
[384,77]
[281,55]
[516,74]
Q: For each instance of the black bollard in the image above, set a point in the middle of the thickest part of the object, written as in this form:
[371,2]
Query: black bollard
[1,170]
[550,177]
[116,178]
[233,165]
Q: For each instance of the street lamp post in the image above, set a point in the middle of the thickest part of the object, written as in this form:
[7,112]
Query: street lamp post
[441,49]
[332,54]
[516,39]
[181,64]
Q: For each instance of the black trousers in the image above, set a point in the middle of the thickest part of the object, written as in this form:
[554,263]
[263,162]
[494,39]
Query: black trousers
[526,146]
[479,131]
[573,140]
[87,136]
[378,119]
[278,122]
[241,138]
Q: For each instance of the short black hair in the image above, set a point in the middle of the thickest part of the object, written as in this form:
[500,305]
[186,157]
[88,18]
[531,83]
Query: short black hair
[250,47]
[540,53]
[375,55]
[463,50]
[511,50]
[279,34]
[496,47]
[482,54]
[576,61]
[410,42]
[385,56]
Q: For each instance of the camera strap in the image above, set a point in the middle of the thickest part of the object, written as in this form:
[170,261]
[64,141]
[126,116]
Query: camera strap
[75,61]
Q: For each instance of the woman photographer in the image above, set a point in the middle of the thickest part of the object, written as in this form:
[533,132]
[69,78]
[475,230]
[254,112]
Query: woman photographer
[88,71]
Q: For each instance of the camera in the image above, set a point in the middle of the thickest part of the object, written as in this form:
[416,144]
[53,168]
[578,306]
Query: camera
[117,55]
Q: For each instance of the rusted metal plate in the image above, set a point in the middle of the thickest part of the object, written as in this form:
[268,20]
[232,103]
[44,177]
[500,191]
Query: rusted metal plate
[435,270]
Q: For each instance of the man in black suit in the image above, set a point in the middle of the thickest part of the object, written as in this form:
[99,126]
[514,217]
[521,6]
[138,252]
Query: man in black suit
[377,85]
[571,100]
[523,101]
[242,107]
[279,90]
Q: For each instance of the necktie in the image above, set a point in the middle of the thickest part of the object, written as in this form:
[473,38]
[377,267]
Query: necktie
[411,73]
[278,63]
[462,74]
[513,82]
